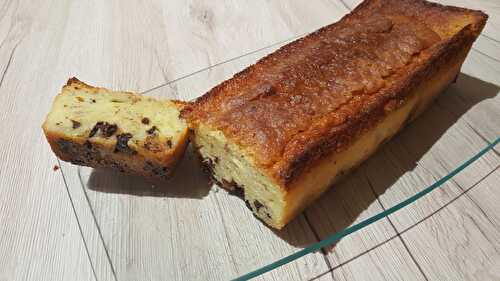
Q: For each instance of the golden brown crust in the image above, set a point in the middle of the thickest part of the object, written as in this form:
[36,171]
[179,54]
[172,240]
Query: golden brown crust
[78,85]
[314,96]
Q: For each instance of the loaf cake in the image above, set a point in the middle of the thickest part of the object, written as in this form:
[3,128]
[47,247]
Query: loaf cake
[128,132]
[286,128]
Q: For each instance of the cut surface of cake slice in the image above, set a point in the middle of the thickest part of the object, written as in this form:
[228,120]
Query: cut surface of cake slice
[128,132]
[286,128]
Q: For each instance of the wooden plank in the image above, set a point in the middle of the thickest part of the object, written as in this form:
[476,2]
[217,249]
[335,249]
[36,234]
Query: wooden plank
[389,261]
[39,236]
[481,102]
[488,47]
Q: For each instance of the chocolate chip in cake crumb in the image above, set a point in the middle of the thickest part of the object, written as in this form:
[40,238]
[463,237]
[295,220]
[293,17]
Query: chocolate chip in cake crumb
[93,100]
[169,143]
[152,130]
[76,124]
[208,165]
[87,144]
[94,130]
[145,121]
[107,130]
[257,205]
[236,190]
[247,203]
[122,143]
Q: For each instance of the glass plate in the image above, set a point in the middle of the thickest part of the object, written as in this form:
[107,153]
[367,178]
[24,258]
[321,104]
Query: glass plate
[187,229]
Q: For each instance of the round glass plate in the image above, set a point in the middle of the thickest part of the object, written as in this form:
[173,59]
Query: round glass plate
[187,229]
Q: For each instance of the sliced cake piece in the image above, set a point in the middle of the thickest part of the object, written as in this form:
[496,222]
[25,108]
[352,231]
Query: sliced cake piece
[286,128]
[128,132]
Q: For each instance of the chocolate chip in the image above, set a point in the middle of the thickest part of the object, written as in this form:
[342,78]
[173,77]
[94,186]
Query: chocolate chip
[93,100]
[208,165]
[145,121]
[234,189]
[107,130]
[247,203]
[122,143]
[152,130]
[76,124]
[94,130]
[169,143]
[257,205]
[87,144]
[55,168]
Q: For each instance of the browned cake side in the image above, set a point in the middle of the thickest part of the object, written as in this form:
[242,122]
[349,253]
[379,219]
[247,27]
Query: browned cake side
[313,98]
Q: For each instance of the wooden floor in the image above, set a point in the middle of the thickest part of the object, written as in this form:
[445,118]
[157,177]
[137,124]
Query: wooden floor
[82,224]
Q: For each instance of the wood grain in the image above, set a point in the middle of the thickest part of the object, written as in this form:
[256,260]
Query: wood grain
[183,229]
[39,236]
[376,246]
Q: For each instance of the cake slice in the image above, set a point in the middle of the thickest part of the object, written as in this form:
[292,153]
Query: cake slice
[128,132]
[285,129]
